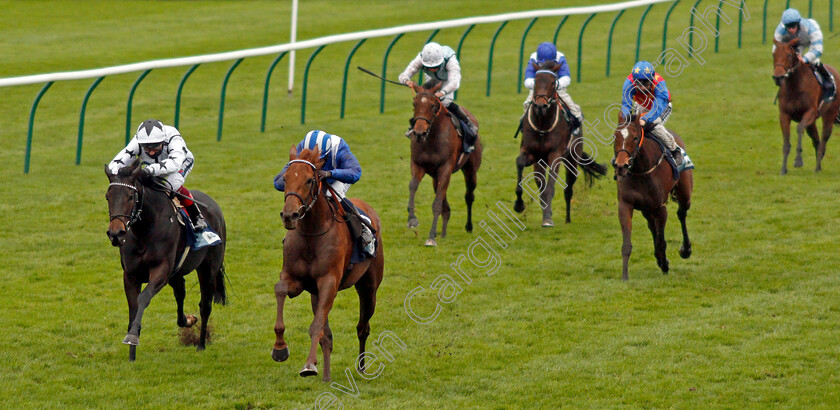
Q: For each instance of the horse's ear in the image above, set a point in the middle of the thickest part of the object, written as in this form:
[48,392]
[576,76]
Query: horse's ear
[437,87]
[108,172]
[320,162]
[293,154]
[535,66]
[136,170]
[551,65]
[794,42]
[416,89]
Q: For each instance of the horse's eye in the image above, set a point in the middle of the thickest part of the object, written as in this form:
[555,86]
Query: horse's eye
[310,181]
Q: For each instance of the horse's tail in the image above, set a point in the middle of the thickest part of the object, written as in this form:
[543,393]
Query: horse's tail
[220,293]
[592,169]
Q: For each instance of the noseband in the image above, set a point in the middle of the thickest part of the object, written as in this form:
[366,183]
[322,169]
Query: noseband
[313,191]
[549,98]
[136,209]
[635,153]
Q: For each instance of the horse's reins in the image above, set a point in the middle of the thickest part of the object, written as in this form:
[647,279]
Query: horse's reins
[788,71]
[632,156]
[550,99]
[436,110]
[129,220]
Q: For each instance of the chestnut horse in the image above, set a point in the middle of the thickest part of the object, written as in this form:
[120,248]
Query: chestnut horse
[645,181]
[436,150]
[145,227]
[316,258]
[547,143]
[799,100]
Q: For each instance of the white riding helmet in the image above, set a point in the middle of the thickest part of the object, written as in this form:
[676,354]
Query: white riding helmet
[150,132]
[432,55]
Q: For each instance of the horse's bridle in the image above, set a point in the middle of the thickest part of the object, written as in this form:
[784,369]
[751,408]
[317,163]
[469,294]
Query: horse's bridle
[136,209]
[313,190]
[550,100]
[641,137]
[788,71]
[435,110]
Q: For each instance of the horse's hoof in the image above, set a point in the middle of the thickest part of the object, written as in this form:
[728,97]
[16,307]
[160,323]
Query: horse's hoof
[519,206]
[783,172]
[817,169]
[469,227]
[547,223]
[200,348]
[280,355]
[665,267]
[430,242]
[413,223]
[131,339]
[798,163]
[685,252]
[191,320]
[309,370]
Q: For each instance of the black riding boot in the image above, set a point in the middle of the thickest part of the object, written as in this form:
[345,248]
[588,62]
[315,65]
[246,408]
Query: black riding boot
[196,218]
[471,134]
[355,221]
[828,82]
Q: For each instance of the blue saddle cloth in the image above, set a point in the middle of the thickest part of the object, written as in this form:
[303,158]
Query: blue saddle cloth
[198,240]
[686,163]
[359,253]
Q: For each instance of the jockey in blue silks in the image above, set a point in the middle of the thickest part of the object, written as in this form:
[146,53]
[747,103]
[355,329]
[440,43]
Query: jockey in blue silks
[545,52]
[340,170]
[810,37]
[647,89]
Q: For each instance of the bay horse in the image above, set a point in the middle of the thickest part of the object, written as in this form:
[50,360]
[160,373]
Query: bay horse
[645,181]
[316,258]
[144,225]
[799,100]
[547,143]
[436,150]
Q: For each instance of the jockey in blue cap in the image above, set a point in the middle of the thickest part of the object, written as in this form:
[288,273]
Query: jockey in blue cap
[545,52]
[648,90]
[810,37]
[340,170]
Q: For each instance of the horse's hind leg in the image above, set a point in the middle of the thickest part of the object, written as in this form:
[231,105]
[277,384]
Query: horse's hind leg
[326,341]
[815,141]
[784,122]
[521,163]
[366,288]
[625,218]
[441,184]
[807,122]
[571,178]
[827,127]
[445,214]
[659,217]
[683,194]
[179,290]
[471,180]
[132,290]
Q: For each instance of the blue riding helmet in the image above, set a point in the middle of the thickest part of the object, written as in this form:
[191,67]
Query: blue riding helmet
[791,17]
[546,51]
[319,139]
[643,71]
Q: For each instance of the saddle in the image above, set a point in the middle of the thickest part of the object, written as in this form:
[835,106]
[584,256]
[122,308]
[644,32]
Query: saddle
[669,157]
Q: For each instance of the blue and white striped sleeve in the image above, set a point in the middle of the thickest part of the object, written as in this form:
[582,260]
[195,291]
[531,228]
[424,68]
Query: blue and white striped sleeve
[815,36]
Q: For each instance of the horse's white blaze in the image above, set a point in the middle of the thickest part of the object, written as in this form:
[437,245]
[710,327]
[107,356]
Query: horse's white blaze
[624,132]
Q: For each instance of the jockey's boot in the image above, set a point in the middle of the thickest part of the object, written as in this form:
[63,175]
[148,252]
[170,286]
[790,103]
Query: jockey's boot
[678,157]
[358,226]
[197,219]
[829,91]
[471,134]
[576,124]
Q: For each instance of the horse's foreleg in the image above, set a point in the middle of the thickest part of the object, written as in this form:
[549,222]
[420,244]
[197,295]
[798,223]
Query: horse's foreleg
[205,305]
[684,200]
[547,193]
[132,290]
[521,163]
[784,122]
[284,287]
[157,280]
[445,213]
[441,184]
[416,175]
[815,141]
[326,341]
[625,218]
[327,289]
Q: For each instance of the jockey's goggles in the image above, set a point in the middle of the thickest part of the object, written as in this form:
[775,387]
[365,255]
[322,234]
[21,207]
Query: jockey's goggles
[152,147]
[791,25]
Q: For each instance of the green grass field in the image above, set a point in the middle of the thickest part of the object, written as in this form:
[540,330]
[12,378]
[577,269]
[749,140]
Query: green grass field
[750,320]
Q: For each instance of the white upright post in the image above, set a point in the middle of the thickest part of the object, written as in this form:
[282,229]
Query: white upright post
[292,53]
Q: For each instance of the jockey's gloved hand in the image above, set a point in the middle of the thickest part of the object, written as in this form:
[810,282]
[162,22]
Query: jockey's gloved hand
[324,174]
